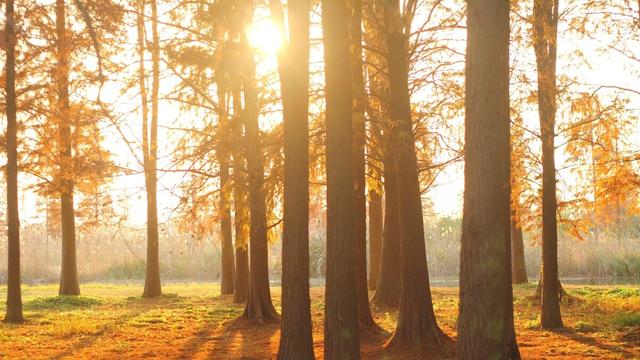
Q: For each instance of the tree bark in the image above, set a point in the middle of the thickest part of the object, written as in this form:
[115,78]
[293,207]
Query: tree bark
[365,319]
[375,237]
[69,271]
[545,35]
[341,334]
[388,285]
[416,319]
[485,322]
[227,271]
[259,307]
[14,295]
[241,223]
[296,341]
[518,265]
[152,286]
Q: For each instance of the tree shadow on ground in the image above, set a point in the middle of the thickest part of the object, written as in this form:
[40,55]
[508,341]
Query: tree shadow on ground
[575,336]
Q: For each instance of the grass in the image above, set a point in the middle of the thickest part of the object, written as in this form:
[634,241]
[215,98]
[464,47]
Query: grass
[193,321]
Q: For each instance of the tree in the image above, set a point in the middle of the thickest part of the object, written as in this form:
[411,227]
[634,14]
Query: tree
[545,36]
[227,273]
[365,319]
[485,325]
[69,271]
[259,307]
[518,179]
[152,286]
[416,320]
[14,294]
[388,284]
[341,335]
[296,341]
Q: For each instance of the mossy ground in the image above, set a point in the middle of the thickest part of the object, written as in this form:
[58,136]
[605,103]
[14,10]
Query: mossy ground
[193,321]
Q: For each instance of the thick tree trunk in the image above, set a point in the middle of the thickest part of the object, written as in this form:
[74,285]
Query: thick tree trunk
[545,37]
[242,275]
[152,286]
[341,333]
[227,270]
[14,294]
[416,319]
[296,341]
[365,319]
[69,271]
[518,266]
[259,307]
[388,272]
[485,322]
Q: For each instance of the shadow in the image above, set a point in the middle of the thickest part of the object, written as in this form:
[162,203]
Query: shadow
[243,339]
[575,336]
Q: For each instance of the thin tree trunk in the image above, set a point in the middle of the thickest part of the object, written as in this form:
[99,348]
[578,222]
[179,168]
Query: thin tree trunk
[341,333]
[69,271]
[485,322]
[375,237]
[227,271]
[296,341]
[365,319]
[152,286]
[545,37]
[518,266]
[416,319]
[241,223]
[259,307]
[14,294]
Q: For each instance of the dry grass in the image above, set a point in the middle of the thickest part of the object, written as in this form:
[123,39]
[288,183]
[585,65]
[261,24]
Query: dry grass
[112,321]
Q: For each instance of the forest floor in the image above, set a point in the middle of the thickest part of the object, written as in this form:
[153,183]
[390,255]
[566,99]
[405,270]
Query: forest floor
[113,321]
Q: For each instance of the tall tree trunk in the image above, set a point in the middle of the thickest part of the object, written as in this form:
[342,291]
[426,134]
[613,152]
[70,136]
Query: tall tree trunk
[375,237]
[14,294]
[518,266]
[416,319]
[341,333]
[388,284]
[485,322]
[259,307]
[152,287]
[545,35]
[296,341]
[241,223]
[365,319]
[227,271]
[69,269]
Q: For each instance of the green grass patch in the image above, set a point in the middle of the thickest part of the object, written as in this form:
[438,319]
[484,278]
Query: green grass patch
[627,320]
[62,303]
[623,292]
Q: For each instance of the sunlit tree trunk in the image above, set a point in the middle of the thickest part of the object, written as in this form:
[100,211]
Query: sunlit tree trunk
[416,320]
[152,287]
[14,294]
[375,237]
[388,285]
[485,322]
[241,221]
[545,36]
[241,224]
[259,307]
[518,265]
[69,271]
[227,270]
[341,333]
[365,319]
[296,341]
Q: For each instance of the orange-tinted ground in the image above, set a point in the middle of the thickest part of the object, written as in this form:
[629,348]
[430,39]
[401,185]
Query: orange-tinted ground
[112,322]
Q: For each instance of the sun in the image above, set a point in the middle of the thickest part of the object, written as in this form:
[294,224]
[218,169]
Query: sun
[265,37]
